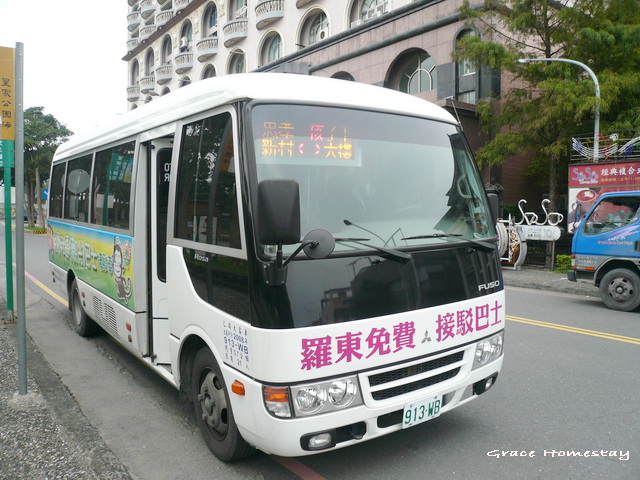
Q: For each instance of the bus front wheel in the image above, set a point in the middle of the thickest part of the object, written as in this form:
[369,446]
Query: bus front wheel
[213,409]
[620,289]
[85,326]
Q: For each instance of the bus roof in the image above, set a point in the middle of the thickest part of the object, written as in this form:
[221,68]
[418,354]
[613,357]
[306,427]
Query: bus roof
[210,93]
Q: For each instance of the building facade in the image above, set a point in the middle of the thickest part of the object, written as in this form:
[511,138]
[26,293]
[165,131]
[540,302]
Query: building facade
[400,44]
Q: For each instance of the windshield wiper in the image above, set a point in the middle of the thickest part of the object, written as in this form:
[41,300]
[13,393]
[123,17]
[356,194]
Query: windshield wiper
[487,247]
[397,254]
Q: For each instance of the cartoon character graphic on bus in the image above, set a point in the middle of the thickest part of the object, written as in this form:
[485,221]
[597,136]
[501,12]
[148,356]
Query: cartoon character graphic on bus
[121,259]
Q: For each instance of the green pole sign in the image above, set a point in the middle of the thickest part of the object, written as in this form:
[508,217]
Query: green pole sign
[7,139]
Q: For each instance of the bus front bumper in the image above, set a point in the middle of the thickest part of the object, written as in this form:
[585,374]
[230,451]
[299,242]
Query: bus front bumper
[290,437]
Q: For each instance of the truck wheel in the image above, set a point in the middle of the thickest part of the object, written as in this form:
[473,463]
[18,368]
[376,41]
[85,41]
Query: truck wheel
[213,409]
[85,327]
[620,289]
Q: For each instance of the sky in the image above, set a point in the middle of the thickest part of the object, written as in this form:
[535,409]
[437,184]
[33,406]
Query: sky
[73,53]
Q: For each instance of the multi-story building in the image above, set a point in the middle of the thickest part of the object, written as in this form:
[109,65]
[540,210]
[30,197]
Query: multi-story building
[401,44]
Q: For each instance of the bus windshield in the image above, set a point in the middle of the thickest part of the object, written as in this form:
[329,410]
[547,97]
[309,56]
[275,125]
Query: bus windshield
[386,179]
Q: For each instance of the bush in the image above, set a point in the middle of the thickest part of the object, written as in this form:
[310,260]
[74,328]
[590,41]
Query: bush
[563,263]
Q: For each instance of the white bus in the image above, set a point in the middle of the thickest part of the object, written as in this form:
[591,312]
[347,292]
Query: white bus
[311,261]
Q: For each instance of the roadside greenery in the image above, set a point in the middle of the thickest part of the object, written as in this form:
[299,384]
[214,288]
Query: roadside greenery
[43,133]
[555,101]
[563,263]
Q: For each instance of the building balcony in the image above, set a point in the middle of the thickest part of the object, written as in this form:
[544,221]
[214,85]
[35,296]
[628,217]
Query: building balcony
[184,62]
[268,12]
[206,48]
[132,43]
[162,3]
[180,4]
[302,3]
[147,31]
[147,8]
[164,73]
[133,21]
[133,93]
[235,31]
[163,17]
[132,2]
[147,84]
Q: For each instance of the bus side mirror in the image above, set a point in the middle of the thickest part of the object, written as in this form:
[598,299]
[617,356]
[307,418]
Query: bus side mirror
[278,212]
[494,205]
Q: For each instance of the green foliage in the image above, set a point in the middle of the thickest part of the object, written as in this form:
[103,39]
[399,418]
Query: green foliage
[563,263]
[42,135]
[555,101]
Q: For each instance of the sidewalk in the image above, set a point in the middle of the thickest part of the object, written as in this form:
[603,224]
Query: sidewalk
[538,278]
[45,435]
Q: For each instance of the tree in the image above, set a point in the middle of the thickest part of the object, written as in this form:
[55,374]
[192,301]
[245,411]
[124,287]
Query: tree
[42,135]
[555,100]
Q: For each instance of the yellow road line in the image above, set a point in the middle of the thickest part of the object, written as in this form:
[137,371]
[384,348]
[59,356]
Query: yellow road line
[46,289]
[582,331]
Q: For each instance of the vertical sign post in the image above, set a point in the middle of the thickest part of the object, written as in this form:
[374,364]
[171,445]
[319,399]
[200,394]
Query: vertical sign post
[20,284]
[7,140]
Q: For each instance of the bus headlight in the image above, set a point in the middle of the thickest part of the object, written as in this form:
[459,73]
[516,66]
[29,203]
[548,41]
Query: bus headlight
[488,350]
[342,392]
[326,396]
[311,399]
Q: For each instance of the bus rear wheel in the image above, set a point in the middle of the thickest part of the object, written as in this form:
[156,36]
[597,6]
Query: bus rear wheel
[620,289]
[84,326]
[213,409]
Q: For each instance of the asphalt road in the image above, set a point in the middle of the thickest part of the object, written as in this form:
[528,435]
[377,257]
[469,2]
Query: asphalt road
[564,406]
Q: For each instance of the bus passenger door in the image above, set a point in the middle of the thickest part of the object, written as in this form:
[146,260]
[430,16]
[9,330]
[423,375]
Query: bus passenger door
[159,154]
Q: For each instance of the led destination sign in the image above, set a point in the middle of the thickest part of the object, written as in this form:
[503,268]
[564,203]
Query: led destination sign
[288,140]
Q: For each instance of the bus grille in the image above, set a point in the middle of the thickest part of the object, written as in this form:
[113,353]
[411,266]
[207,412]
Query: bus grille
[406,372]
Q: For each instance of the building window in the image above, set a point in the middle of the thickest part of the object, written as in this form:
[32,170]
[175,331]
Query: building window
[343,76]
[210,22]
[186,37]
[372,8]
[149,62]
[237,64]
[466,75]
[418,74]
[184,81]
[272,50]
[468,97]
[319,29]
[167,51]
[466,67]
[209,72]
[135,72]
[240,9]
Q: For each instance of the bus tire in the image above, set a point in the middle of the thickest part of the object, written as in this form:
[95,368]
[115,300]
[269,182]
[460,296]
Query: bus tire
[620,289]
[84,326]
[213,409]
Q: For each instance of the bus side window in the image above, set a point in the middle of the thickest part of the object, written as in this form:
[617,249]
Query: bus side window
[76,201]
[206,202]
[112,186]
[162,185]
[56,191]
